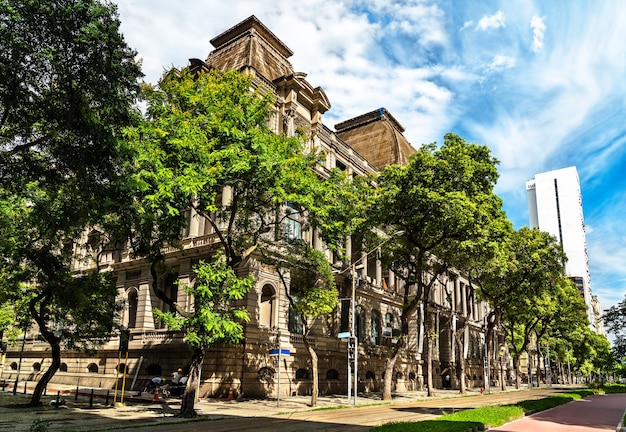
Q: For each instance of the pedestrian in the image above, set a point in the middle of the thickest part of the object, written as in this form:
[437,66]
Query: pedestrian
[155,382]
[176,376]
[176,385]
[182,383]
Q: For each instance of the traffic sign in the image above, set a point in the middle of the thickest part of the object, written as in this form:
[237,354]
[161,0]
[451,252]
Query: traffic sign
[284,352]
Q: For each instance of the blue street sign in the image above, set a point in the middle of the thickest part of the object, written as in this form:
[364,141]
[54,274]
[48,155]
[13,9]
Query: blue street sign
[284,352]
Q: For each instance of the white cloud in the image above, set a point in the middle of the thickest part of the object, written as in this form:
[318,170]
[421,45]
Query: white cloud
[491,21]
[539,30]
[532,110]
[501,62]
[467,24]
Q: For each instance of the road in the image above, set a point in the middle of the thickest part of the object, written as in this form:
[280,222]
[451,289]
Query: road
[594,413]
[348,419]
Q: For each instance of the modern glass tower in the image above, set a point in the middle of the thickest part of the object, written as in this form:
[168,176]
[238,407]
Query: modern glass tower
[555,206]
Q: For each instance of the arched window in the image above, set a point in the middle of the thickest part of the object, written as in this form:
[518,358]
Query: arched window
[266,312]
[133,302]
[370,375]
[63,367]
[36,366]
[360,323]
[332,374]
[302,374]
[121,368]
[375,328]
[390,320]
[154,369]
[13,366]
[266,375]
[92,368]
[411,376]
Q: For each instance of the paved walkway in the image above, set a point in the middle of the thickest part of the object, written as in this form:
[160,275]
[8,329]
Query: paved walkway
[591,414]
[87,411]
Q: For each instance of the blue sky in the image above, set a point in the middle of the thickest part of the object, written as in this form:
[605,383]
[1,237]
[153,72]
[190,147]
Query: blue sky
[542,83]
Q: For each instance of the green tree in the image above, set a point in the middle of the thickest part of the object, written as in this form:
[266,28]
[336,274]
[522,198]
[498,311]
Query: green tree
[67,83]
[441,201]
[564,315]
[312,295]
[483,264]
[205,149]
[334,205]
[215,318]
[614,319]
[593,357]
[523,288]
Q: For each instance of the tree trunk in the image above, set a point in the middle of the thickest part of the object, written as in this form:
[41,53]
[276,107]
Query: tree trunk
[187,409]
[429,353]
[55,346]
[539,376]
[516,365]
[460,359]
[314,365]
[389,365]
[502,377]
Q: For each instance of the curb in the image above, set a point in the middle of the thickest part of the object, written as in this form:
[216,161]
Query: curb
[621,427]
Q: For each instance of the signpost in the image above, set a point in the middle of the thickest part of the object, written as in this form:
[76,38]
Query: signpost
[279,352]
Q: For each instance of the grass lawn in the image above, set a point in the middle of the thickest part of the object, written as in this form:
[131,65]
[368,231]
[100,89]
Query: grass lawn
[492,416]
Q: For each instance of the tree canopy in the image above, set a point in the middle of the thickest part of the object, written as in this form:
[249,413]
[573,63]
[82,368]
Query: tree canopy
[614,319]
[68,82]
[205,152]
[442,203]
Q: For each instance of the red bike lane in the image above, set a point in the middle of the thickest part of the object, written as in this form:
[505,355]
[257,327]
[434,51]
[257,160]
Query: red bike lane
[593,413]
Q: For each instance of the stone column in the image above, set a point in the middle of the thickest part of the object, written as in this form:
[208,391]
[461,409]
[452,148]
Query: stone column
[145,318]
[464,298]
[391,282]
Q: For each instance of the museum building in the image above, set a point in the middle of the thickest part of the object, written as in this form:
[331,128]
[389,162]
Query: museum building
[359,146]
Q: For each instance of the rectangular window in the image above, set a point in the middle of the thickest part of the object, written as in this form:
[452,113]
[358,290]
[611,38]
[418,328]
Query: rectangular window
[295,322]
[293,225]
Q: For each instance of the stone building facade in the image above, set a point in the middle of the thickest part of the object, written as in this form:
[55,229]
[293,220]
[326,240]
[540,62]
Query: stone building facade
[361,145]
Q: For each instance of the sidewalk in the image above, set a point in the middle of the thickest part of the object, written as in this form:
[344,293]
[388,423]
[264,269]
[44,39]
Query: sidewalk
[86,409]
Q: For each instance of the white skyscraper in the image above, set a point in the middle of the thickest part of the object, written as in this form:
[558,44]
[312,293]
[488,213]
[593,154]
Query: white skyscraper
[555,206]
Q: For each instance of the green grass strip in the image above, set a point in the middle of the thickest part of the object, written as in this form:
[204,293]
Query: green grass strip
[486,417]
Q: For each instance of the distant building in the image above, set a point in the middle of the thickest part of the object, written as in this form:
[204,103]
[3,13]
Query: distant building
[555,206]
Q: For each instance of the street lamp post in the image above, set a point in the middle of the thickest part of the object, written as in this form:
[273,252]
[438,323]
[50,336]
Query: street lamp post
[353,354]
[486,365]
[353,337]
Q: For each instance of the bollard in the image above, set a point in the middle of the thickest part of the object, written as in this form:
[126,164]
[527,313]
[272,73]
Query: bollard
[91,399]
[24,387]
[15,387]
[45,391]
[56,406]
[4,384]
[76,395]
[106,403]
